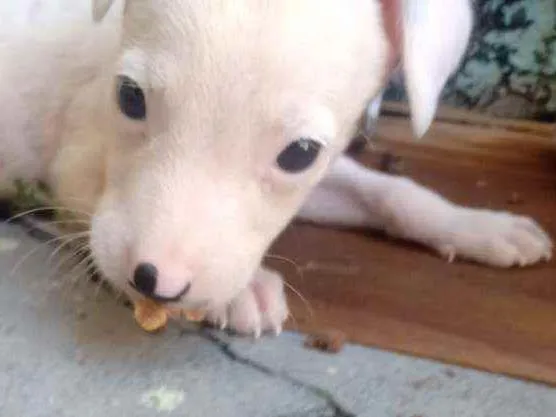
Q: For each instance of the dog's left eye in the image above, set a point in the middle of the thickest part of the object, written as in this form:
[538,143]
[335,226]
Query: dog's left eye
[131,98]
[299,155]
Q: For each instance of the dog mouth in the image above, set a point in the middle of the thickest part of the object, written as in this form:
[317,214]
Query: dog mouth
[161,299]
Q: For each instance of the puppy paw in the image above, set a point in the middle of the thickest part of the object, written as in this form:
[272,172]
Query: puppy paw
[498,239]
[260,308]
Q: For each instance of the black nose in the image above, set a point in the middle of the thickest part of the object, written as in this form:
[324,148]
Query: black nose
[144,278]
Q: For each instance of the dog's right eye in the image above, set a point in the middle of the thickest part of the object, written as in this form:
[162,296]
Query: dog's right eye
[299,155]
[131,98]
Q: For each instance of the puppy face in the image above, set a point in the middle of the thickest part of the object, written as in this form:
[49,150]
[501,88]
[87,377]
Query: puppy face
[225,115]
[219,117]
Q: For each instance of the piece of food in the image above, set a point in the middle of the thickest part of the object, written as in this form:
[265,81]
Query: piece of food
[194,315]
[331,342]
[153,317]
[150,316]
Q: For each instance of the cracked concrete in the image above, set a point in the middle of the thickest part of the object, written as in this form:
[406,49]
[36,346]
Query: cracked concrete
[332,406]
[69,350]
[371,383]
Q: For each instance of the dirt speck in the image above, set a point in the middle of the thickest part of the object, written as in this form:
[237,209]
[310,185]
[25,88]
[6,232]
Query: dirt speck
[357,145]
[419,384]
[391,164]
[450,373]
[515,198]
[331,341]
[81,315]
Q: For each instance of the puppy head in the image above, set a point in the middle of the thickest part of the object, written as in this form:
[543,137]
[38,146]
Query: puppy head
[221,118]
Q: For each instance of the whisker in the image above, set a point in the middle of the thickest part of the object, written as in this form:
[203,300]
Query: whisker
[72,277]
[62,245]
[87,263]
[301,297]
[71,256]
[294,320]
[119,294]
[80,272]
[85,269]
[68,221]
[75,276]
[44,226]
[298,269]
[300,274]
[102,284]
[46,208]
[73,236]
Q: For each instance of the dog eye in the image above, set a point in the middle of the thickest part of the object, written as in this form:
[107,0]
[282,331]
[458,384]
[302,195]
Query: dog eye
[299,155]
[131,98]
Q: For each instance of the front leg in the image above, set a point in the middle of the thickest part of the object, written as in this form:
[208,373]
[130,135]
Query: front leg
[352,195]
[259,308]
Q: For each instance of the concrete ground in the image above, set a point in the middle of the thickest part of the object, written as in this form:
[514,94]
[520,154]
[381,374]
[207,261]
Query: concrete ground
[69,350]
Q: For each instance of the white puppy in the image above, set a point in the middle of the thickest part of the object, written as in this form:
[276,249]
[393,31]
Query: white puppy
[194,131]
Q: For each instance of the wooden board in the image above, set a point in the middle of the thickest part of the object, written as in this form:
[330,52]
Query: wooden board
[402,297]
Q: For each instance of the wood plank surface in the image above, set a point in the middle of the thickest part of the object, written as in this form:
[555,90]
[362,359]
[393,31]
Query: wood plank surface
[402,297]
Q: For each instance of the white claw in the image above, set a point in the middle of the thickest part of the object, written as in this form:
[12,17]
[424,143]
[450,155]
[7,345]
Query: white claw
[498,239]
[257,333]
[449,252]
[244,315]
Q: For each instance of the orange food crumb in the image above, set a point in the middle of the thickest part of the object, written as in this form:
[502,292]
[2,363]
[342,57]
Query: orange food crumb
[150,315]
[153,317]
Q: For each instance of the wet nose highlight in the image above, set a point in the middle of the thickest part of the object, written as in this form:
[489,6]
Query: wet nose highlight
[145,279]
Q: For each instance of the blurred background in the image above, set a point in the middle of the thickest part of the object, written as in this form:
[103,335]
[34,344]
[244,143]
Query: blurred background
[510,67]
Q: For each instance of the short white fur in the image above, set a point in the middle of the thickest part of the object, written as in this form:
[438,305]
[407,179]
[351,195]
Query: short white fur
[194,188]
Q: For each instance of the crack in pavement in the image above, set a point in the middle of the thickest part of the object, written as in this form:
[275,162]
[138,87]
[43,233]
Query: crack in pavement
[314,412]
[333,405]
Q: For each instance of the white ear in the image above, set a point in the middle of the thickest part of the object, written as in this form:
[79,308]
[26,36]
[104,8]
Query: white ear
[435,37]
[101,8]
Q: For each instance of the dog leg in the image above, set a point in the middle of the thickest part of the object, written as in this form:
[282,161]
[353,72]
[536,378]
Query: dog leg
[260,308]
[351,195]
